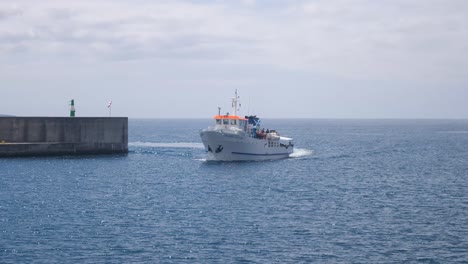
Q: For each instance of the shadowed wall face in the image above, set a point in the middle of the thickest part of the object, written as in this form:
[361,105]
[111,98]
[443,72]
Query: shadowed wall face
[79,135]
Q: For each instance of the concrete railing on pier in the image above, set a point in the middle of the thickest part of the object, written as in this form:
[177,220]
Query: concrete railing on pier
[30,136]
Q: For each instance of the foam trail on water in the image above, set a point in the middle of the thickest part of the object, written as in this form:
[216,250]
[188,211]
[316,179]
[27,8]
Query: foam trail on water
[166,144]
[299,152]
[453,132]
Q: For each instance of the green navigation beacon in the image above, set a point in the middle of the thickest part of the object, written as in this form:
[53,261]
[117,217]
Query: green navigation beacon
[72,108]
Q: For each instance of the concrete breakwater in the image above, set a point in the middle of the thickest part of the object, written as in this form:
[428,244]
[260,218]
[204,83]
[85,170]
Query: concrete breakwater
[34,136]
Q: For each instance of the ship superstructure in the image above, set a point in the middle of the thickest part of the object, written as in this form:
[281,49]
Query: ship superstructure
[236,138]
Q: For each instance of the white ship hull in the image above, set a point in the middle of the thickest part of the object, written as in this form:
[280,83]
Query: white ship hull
[225,145]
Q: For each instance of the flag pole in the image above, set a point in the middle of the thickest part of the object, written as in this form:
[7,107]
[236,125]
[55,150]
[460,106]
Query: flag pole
[109,105]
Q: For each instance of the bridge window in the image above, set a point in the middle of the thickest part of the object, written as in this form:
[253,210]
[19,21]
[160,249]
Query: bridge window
[225,121]
[243,124]
[218,121]
[233,121]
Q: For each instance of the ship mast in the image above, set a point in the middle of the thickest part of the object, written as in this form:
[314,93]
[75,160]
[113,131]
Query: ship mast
[235,103]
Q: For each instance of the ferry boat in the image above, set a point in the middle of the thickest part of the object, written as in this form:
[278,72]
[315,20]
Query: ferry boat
[237,138]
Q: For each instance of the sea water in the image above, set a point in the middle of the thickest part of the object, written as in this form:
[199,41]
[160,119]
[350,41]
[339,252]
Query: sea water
[354,191]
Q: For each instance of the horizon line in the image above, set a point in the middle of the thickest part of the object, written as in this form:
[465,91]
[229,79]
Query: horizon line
[318,118]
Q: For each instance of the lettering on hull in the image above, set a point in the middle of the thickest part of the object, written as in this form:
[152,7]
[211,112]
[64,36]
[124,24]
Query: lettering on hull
[286,146]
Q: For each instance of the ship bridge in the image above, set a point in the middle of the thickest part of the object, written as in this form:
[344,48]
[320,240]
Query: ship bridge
[228,121]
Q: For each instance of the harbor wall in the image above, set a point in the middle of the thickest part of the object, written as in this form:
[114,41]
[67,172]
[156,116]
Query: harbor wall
[31,136]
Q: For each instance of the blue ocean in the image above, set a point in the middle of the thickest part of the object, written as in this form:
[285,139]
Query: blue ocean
[354,191]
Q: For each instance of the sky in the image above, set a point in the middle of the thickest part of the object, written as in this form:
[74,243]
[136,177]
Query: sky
[287,59]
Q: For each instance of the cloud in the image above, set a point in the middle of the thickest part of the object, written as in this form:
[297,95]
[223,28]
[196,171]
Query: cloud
[362,39]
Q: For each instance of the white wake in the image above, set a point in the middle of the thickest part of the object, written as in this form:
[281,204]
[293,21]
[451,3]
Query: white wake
[453,132]
[193,145]
[299,152]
